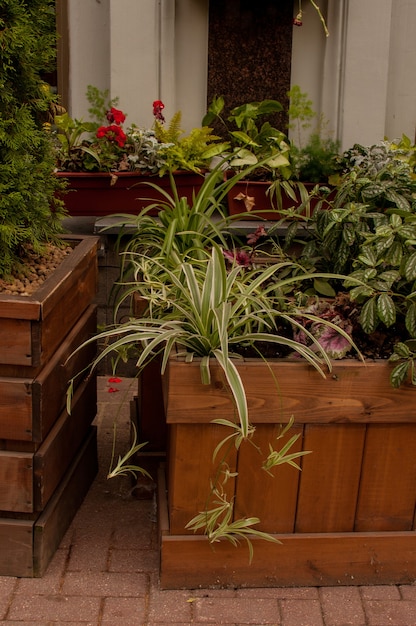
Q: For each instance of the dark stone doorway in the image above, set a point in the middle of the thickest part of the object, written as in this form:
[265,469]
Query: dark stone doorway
[249,51]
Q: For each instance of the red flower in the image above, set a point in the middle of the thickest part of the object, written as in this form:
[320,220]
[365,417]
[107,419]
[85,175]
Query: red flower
[115,116]
[101,132]
[297,21]
[112,133]
[113,390]
[114,379]
[158,107]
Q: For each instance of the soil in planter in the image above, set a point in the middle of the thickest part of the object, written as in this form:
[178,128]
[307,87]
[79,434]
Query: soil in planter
[377,345]
[37,268]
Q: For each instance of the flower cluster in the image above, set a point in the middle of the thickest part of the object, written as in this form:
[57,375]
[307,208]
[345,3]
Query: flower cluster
[113,132]
[95,147]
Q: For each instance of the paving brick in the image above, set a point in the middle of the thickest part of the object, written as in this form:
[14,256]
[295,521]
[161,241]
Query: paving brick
[237,610]
[391,612]
[50,582]
[296,612]
[55,608]
[135,526]
[381,592]
[134,561]
[176,623]
[105,584]
[342,606]
[105,572]
[36,623]
[125,611]
[408,592]
[170,607]
[302,593]
[7,586]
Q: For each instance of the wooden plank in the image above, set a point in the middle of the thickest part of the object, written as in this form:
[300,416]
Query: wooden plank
[15,341]
[387,487]
[317,559]
[16,547]
[56,305]
[16,481]
[299,561]
[53,523]
[34,307]
[190,454]
[270,498]
[50,386]
[60,315]
[353,392]
[15,408]
[57,452]
[28,408]
[152,421]
[330,477]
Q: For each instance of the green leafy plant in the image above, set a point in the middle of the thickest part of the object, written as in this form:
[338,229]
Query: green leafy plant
[218,523]
[30,214]
[370,235]
[380,175]
[316,160]
[105,145]
[253,140]
[123,467]
[404,358]
[201,304]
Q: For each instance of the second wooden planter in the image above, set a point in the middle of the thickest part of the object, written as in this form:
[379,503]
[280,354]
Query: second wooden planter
[47,457]
[348,518]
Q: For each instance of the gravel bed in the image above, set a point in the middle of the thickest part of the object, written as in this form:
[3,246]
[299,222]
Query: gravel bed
[24,282]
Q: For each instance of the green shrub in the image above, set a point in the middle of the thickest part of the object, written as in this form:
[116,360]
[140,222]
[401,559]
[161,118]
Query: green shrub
[29,214]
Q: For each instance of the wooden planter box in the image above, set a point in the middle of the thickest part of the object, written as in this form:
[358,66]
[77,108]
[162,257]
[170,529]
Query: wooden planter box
[346,519]
[42,448]
[97,194]
[256,192]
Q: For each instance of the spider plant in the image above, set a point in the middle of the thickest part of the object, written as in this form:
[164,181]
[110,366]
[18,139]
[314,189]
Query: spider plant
[206,310]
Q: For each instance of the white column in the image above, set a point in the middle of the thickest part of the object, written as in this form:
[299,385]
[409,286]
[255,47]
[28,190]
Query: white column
[401,88]
[134,58]
[362,77]
[89,51]
[366,71]
[191,60]
[308,55]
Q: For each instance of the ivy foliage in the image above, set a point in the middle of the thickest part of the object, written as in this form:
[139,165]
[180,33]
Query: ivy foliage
[29,212]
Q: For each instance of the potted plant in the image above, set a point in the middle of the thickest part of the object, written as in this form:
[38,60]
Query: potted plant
[47,287]
[347,517]
[111,169]
[288,176]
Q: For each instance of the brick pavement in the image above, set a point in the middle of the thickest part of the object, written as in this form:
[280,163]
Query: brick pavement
[105,572]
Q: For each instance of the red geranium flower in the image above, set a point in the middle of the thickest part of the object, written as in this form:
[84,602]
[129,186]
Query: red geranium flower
[112,133]
[115,116]
[158,107]
[101,132]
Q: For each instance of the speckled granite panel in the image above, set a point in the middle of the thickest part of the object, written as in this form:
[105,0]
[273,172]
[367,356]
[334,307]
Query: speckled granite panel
[250,46]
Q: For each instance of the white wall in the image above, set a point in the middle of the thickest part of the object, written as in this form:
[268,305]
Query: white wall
[89,51]
[401,103]
[361,78]
[141,51]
